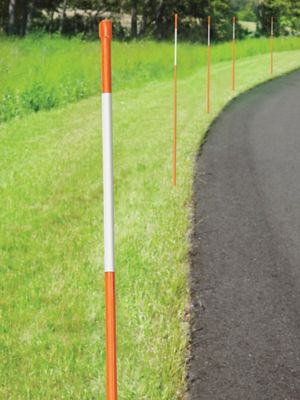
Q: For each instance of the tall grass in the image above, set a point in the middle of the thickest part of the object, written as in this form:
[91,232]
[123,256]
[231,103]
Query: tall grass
[45,72]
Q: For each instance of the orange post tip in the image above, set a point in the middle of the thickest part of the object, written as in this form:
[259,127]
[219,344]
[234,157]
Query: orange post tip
[233,19]
[105,33]
[176,19]
[209,19]
[105,29]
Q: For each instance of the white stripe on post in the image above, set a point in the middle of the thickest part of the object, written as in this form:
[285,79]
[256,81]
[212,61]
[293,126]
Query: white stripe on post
[208,63]
[271,45]
[175,46]
[208,33]
[175,101]
[108,191]
[233,54]
[272,27]
[233,30]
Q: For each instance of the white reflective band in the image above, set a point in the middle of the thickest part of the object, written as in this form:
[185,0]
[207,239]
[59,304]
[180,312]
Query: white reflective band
[233,32]
[272,28]
[175,47]
[208,35]
[108,190]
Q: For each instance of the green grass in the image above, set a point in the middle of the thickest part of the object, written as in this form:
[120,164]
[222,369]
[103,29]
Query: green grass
[51,276]
[41,73]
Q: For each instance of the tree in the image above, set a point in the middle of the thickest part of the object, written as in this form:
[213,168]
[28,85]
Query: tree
[63,17]
[246,10]
[12,17]
[267,9]
[157,17]
[133,30]
[294,16]
[144,21]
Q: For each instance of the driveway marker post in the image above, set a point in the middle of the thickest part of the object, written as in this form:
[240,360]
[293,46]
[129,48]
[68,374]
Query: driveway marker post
[208,64]
[271,45]
[175,100]
[105,33]
[233,53]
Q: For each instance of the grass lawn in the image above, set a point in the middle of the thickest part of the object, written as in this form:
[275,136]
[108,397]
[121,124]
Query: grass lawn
[43,72]
[51,275]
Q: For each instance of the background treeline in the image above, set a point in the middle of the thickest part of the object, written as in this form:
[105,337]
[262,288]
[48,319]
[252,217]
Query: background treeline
[148,18]
[286,14]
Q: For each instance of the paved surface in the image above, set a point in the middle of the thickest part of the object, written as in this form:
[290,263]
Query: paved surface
[245,277]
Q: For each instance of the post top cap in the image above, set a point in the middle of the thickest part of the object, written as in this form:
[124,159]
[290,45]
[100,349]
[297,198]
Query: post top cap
[105,29]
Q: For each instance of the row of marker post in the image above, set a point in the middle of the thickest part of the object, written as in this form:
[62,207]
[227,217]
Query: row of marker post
[208,73]
[105,33]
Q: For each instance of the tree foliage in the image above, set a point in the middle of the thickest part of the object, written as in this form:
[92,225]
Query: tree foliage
[139,18]
[286,15]
[267,9]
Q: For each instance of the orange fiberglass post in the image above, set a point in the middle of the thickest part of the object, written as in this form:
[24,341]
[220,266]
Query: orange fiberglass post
[271,45]
[233,53]
[105,33]
[208,64]
[175,99]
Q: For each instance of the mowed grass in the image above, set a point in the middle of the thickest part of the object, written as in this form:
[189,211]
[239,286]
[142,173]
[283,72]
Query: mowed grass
[42,72]
[52,342]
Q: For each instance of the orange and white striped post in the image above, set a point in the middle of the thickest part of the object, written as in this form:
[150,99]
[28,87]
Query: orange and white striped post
[233,53]
[271,45]
[175,100]
[208,64]
[105,33]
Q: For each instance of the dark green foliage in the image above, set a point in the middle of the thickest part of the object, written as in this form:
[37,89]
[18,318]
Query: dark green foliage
[148,18]
[286,15]
[247,11]
[9,107]
[267,9]
[153,18]
[40,96]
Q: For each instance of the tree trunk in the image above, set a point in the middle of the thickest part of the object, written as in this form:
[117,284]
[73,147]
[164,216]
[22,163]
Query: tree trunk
[133,30]
[12,17]
[30,9]
[23,11]
[63,17]
[159,19]
[144,21]
[51,23]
